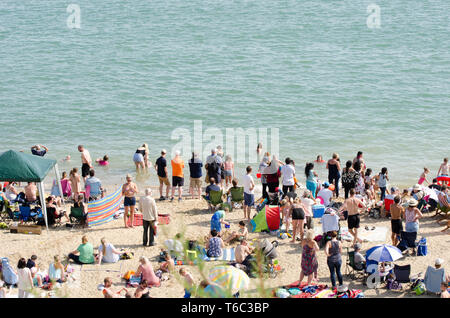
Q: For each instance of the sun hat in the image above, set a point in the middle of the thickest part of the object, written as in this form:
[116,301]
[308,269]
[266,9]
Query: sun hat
[412,202]
[129,176]
[438,261]
[417,187]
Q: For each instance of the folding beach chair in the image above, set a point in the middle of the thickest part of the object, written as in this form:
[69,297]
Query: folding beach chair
[215,198]
[237,195]
[77,215]
[353,271]
[402,274]
[26,214]
[407,241]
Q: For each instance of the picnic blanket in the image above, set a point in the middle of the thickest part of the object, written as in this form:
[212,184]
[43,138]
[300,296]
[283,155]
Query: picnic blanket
[227,255]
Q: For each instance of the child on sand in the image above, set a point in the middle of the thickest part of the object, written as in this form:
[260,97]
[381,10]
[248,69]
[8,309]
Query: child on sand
[423,176]
[241,234]
[169,265]
[286,213]
[188,282]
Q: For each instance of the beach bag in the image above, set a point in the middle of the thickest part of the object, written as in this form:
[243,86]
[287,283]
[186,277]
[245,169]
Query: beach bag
[422,249]
[420,289]
[393,285]
[127,255]
[9,276]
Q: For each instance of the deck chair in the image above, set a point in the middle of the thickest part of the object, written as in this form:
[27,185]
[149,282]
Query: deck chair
[215,198]
[441,208]
[26,214]
[237,195]
[351,270]
[403,274]
[77,214]
[407,241]
[433,279]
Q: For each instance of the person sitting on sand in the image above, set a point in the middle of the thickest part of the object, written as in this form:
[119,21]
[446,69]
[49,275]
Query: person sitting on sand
[56,270]
[353,205]
[84,254]
[53,207]
[243,252]
[214,245]
[169,265]
[146,269]
[107,253]
[108,292]
[103,161]
[96,190]
[188,282]
[142,291]
[240,235]
[325,193]
[213,186]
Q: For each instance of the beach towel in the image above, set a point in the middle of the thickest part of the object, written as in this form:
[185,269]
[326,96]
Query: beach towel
[103,210]
[376,235]
[9,276]
[227,255]
[433,279]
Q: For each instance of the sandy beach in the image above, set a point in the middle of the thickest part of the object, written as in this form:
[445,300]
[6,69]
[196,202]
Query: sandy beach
[192,218]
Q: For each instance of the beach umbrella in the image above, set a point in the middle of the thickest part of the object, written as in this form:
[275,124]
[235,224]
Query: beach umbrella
[230,278]
[384,253]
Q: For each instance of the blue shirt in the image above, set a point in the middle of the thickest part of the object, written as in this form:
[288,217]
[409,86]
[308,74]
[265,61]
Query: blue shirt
[195,168]
[212,187]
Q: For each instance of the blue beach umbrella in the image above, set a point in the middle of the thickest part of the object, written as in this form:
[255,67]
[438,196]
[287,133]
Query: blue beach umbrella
[384,253]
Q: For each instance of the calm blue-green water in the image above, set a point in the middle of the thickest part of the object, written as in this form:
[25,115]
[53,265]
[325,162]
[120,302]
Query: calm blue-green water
[136,70]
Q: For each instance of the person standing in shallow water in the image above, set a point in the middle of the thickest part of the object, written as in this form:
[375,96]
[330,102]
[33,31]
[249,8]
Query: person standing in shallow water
[129,191]
[334,168]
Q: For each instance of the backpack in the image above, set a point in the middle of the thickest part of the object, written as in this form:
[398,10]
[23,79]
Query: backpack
[422,249]
[420,289]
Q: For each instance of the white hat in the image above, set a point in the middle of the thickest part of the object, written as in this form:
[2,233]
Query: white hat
[438,261]
[164,151]
[412,202]
[177,153]
[417,187]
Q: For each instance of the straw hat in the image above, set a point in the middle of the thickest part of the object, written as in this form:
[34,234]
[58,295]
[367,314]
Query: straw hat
[412,202]
[417,187]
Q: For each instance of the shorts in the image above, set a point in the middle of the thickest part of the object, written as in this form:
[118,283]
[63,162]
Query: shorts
[298,214]
[138,157]
[227,173]
[196,182]
[396,226]
[177,181]
[288,188]
[129,201]
[249,199]
[164,180]
[85,170]
[412,227]
[353,221]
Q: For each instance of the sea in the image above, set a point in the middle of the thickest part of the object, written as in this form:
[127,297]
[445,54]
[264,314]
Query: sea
[316,77]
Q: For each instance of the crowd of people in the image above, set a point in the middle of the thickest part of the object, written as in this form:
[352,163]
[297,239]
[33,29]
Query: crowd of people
[362,192]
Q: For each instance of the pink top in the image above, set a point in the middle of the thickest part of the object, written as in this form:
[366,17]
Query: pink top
[103,163]
[421,180]
[410,215]
[228,165]
[149,275]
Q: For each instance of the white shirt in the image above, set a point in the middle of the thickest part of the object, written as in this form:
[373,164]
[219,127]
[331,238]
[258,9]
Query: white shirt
[247,181]
[307,203]
[288,172]
[109,256]
[326,195]
[147,206]
[23,282]
[330,222]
